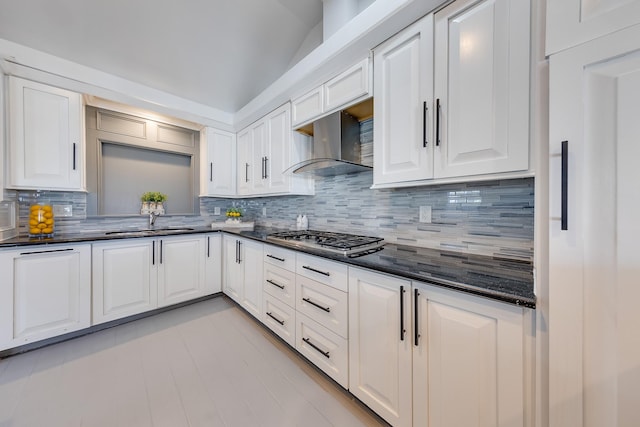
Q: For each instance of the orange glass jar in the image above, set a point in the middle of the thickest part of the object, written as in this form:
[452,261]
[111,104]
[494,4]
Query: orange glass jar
[41,221]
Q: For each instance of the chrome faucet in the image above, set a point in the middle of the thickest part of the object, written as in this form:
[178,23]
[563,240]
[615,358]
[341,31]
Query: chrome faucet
[152,218]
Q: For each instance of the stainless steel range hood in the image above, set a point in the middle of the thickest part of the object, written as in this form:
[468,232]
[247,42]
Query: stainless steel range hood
[336,147]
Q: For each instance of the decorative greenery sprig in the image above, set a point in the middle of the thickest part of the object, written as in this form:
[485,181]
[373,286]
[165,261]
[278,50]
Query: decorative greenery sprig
[153,196]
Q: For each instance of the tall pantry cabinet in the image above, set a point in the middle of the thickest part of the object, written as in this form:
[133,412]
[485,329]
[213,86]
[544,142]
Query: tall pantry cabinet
[594,182]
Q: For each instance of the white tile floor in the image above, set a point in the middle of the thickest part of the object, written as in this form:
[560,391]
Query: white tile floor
[207,364]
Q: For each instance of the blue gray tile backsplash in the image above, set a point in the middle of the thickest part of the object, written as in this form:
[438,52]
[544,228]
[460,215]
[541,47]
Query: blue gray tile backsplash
[489,218]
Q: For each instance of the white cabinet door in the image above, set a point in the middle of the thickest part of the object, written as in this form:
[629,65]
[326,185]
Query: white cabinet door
[308,106]
[468,360]
[259,142]
[594,264]
[380,344]
[45,292]
[218,163]
[278,154]
[213,264]
[251,260]
[181,269]
[233,270]
[244,170]
[124,278]
[572,22]
[403,87]
[482,87]
[46,137]
[350,85]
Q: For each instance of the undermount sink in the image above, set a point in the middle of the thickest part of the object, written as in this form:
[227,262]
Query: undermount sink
[148,231]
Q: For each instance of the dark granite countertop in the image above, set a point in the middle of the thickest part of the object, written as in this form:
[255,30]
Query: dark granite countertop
[505,280]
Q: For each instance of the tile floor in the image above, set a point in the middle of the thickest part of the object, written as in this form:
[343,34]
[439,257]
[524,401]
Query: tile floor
[207,364]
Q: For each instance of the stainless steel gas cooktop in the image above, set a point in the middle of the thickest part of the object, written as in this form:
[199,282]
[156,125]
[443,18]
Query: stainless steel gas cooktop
[341,243]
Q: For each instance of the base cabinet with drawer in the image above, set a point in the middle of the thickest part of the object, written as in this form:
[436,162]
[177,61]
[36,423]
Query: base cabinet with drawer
[45,291]
[423,355]
[279,297]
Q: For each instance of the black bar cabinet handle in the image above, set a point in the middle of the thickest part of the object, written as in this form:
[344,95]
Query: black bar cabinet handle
[425,109]
[246,172]
[327,309]
[74,156]
[153,253]
[318,349]
[401,313]
[316,271]
[275,257]
[565,186]
[438,122]
[275,318]
[46,252]
[275,284]
[160,251]
[211,172]
[208,247]
[266,167]
[239,252]
[416,333]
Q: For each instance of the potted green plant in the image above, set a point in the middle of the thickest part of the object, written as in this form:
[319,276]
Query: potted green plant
[153,201]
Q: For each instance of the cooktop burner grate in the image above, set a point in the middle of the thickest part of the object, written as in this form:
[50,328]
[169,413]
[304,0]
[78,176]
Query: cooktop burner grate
[346,244]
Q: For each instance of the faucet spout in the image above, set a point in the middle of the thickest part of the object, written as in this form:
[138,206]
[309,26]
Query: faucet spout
[152,218]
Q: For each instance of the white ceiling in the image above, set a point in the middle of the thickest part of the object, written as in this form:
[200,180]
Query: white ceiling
[220,53]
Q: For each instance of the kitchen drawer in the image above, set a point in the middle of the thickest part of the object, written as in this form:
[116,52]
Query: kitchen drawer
[280,283]
[284,258]
[324,304]
[324,271]
[280,318]
[325,349]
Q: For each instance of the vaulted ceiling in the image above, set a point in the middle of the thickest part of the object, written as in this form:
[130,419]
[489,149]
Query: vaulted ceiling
[220,53]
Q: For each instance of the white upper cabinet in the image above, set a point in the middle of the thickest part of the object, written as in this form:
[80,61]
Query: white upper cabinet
[349,87]
[572,22]
[403,70]
[266,149]
[482,87]
[217,163]
[452,96]
[46,137]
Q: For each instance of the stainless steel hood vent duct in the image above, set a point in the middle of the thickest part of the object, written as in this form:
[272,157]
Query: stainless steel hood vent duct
[336,147]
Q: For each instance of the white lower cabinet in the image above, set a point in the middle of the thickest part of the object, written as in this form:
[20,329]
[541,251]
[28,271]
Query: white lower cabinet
[242,273]
[380,344]
[213,264]
[421,355]
[324,348]
[181,269]
[137,275]
[124,279]
[45,291]
[280,318]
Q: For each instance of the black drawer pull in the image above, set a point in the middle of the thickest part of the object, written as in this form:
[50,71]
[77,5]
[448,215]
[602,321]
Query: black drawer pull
[275,257]
[45,252]
[275,284]
[438,122]
[275,318]
[74,156]
[318,349]
[316,271]
[425,109]
[327,309]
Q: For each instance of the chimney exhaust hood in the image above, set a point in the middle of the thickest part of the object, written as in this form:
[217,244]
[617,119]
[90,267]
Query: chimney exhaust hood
[336,147]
